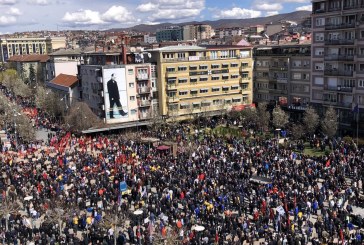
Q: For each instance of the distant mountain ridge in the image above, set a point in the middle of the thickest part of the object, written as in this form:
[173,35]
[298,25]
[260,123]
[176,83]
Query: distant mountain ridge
[297,16]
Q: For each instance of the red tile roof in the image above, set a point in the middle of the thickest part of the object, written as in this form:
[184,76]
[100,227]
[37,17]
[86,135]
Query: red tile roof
[65,80]
[30,58]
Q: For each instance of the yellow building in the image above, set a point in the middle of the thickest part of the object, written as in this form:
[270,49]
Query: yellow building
[201,80]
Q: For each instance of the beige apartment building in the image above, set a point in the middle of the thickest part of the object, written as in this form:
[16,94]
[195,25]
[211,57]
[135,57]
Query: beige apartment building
[29,45]
[198,32]
[201,80]
[338,58]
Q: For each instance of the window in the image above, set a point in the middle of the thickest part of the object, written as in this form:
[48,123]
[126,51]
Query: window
[196,105]
[132,98]
[215,78]
[235,87]
[193,80]
[216,102]
[234,65]
[194,92]
[245,75]
[193,68]
[225,77]
[225,89]
[182,80]
[306,76]
[224,54]
[131,85]
[234,76]
[203,79]
[182,68]
[319,51]
[203,67]
[361,83]
[183,92]
[245,98]
[319,66]
[319,81]
[215,89]
[172,94]
[215,66]
[320,21]
[184,106]
[361,67]
[236,100]
[204,90]
[244,64]
[225,66]
[319,37]
[170,69]
[130,71]
[213,54]
[133,112]
[244,86]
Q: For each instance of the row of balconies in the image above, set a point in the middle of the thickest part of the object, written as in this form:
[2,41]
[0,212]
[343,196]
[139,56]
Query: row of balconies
[336,103]
[339,42]
[340,26]
[339,57]
[335,72]
[339,88]
[198,58]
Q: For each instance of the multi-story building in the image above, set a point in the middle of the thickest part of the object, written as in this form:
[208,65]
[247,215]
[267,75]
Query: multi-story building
[135,85]
[338,58]
[25,46]
[197,32]
[173,33]
[194,80]
[229,32]
[282,75]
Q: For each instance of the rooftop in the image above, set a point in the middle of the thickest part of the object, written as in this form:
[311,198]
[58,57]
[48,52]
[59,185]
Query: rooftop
[65,80]
[29,58]
[70,51]
[179,48]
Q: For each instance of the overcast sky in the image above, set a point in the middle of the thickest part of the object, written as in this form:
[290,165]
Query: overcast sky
[35,15]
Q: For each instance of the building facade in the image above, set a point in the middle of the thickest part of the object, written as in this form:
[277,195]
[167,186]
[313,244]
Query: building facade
[25,46]
[338,58]
[196,80]
[197,32]
[282,75]
[173,33]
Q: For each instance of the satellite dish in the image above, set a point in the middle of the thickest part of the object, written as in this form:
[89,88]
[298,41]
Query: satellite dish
[149,55]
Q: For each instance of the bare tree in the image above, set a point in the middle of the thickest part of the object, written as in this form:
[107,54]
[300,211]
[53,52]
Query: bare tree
[10,79]
[25,128]
[115,219]
[156,120]
[80,117]
[249,116]
[59,212]
[8,207]
[298,130]
[329,123]
[280,117]
[49,101]
[263,115]
[310,120]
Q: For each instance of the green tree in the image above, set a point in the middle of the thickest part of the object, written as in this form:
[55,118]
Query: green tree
[329,124]
[310,120]
[280,117]
[32,75]
[298,130]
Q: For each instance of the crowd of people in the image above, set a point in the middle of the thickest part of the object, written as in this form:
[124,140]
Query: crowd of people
[240,190]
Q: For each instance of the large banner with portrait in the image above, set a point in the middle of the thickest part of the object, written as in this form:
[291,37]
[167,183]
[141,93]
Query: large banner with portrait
[115,95]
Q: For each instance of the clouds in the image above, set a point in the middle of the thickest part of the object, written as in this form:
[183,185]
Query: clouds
[14,12]
[306,8]
[7,2]
[38,2]
[160,10]
[115,14]
[237,13]
[7,20]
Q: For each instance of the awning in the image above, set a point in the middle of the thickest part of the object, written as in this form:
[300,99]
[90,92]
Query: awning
[215,87]
[196,103]
[193,66]
[163,147]
[184,104]
[225,64]
[225,87]
[204,76]
[215,76]
[194,90]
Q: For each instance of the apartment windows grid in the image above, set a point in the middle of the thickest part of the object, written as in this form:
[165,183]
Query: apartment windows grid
[225,77]
[215,66]
[182,80]
[361,83]
[234,65]
[193,80]
[184,106]
[193,68]
[225,65]
[204,90]
[236,100]
[234,76]
[203,79]
[203,67]
[215,78]
[234,87]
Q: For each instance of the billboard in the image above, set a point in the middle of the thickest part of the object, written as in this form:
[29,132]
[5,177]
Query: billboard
[115,95]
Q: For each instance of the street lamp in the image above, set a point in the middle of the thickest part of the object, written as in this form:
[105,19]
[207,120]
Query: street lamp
[137,213]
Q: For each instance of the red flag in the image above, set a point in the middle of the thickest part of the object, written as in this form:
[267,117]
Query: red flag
[217,237]
[342,236]
[328,162]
